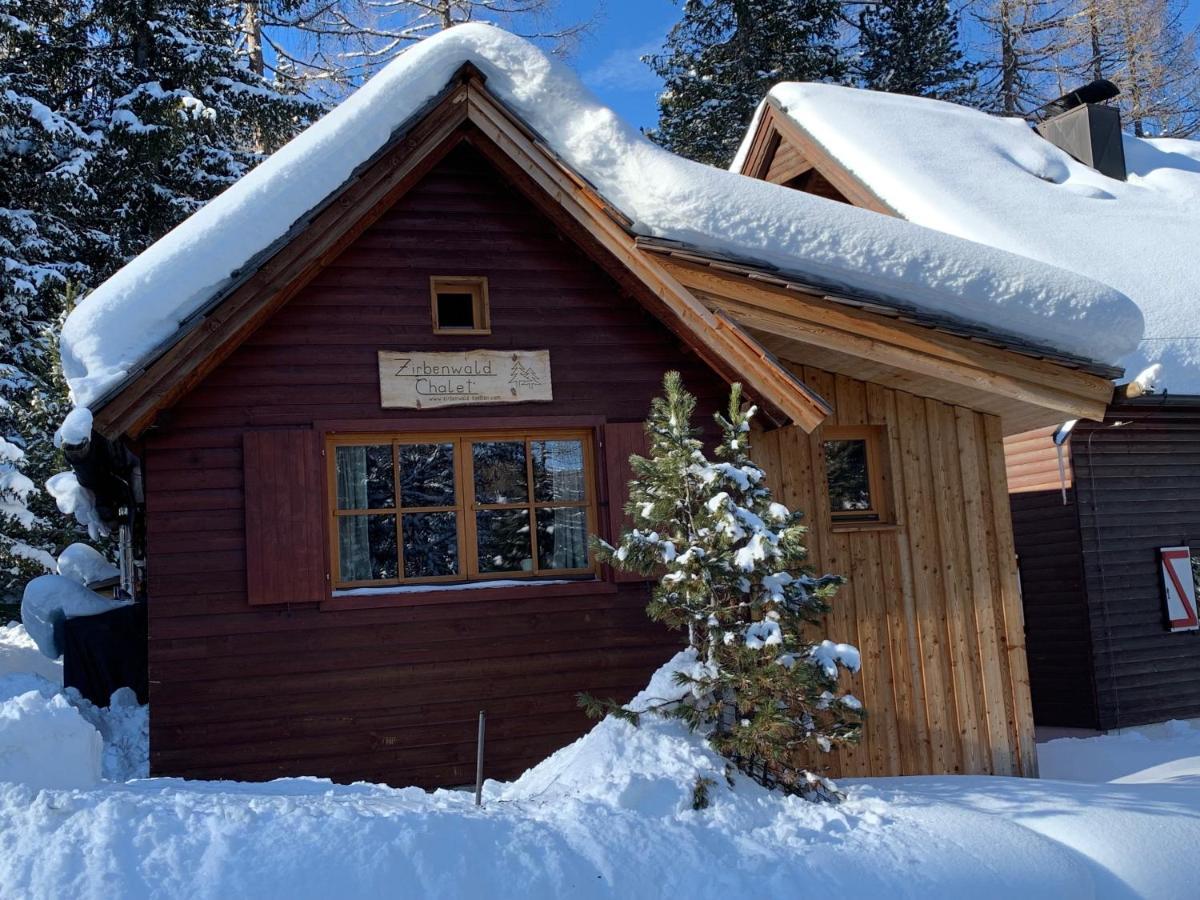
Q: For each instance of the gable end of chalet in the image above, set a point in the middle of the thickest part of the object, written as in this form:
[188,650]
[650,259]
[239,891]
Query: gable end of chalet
[465,112]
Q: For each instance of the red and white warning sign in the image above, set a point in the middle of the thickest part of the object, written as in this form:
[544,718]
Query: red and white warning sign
[1179,585]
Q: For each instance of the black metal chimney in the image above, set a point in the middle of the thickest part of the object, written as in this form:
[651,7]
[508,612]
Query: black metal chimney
[1081,124]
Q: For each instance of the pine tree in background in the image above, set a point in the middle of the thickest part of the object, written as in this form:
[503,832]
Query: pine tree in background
[118,118]
[723,56]
[735,580]
[181,117]
[42,152]
[911,47]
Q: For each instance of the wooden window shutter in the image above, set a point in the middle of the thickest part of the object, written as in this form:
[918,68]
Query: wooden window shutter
[285,512]
[621,440]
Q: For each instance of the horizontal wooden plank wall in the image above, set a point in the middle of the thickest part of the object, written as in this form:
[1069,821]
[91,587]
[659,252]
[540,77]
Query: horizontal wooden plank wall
[932,602]
[1031,460]
[1138,485]
[392,694]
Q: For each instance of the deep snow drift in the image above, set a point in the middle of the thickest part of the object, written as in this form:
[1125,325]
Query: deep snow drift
[120,324]
[610,816]
[994,180]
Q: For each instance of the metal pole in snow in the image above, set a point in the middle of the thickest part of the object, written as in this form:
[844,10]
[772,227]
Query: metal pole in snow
[479,761]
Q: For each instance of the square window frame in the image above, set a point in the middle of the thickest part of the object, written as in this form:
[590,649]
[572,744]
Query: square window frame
[477,287]
[879,481]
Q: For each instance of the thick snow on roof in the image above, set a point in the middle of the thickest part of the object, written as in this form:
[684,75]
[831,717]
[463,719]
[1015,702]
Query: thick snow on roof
[996,181]
[123,322]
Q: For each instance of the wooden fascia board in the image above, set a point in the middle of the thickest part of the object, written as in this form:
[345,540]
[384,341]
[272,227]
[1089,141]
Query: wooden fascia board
[775,120]
[812,320]
[724,347]
[215,336]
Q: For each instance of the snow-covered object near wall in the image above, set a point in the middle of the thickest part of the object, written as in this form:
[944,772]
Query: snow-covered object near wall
[136,313]
[996,181]
[72,498]
[85,564]
[50,600]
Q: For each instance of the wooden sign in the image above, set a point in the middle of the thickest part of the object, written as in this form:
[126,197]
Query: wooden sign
[421,380]
[1179,586]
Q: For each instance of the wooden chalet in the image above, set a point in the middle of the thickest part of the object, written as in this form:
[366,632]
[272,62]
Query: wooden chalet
[1105,516]
[351,544]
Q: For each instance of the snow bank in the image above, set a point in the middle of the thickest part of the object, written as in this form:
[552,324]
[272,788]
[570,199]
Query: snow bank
[53,738]
[20,655]
[1168,753]
[85,564]
[44,742]
[995,181]
[124,728]
[50,600]
[608,816]
[122,323]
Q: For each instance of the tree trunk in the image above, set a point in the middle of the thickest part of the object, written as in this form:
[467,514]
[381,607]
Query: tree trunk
[142,37]
[1008,60]
[252,28]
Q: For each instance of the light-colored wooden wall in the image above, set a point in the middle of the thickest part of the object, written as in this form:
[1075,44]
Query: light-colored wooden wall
[932,600]
[1032,461]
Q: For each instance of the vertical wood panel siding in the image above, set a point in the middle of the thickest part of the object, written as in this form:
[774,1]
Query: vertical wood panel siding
[932,601]
[1138,487]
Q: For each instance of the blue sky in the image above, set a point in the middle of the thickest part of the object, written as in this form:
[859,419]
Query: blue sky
[608,58]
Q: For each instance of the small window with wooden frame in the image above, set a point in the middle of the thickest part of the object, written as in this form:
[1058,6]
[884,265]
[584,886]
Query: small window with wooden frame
[856,474]
[460,304]
[429,508]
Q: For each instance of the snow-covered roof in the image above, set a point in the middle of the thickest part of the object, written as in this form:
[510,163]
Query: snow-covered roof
[996,181]
[125,322]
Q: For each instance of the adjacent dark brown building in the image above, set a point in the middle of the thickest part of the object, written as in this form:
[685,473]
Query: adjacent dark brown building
[1102,652]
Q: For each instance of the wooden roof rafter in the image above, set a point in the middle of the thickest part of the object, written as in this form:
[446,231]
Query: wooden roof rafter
[465,111]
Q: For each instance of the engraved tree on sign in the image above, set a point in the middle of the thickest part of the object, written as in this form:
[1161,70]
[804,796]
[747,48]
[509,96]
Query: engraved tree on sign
[522,376]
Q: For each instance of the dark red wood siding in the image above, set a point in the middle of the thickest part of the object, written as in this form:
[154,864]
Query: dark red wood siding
[1138,486]
[392,693]
[622,440]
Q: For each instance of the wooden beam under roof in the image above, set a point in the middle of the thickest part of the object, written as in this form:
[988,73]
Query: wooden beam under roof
[811,329]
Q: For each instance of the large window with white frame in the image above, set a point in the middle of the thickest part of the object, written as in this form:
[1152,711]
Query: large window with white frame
[429,508]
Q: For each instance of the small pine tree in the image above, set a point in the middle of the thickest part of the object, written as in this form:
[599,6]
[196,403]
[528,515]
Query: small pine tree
[911,47]
[723,56]
[735,580]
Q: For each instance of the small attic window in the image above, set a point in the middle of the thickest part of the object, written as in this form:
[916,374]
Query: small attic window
[460,304]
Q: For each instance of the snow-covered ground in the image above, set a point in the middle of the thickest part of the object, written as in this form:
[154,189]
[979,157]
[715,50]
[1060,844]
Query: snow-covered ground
[610,815]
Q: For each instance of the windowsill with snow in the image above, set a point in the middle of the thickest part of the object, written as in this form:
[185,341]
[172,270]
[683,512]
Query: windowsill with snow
[608,816]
